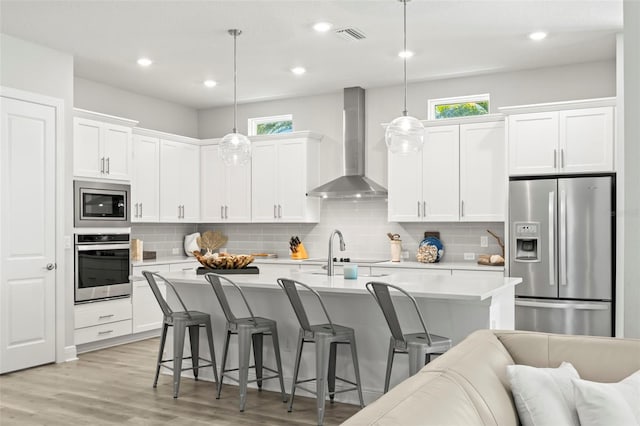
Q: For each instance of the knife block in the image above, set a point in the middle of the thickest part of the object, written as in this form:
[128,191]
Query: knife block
[301,253]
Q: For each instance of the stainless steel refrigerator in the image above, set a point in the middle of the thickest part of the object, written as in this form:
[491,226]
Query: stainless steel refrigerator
[562,245]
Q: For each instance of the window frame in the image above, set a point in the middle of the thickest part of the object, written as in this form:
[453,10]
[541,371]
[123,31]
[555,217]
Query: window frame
[432,103]
[253,123]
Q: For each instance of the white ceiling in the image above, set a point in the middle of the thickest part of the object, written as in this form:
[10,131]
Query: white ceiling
[188,41]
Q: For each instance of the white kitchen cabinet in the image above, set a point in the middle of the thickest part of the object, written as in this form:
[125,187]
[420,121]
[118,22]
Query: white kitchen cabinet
[102,320]
[579,140]
[146,310]
[225,194]
[101,146]
[145,184]
[424,187]
[483,172]
[283,169]
[460,174]
[179,182]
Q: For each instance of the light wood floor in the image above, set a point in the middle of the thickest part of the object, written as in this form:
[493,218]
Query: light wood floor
[113,386]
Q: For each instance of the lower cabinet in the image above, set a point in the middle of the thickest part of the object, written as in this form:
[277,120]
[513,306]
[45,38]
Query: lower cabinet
[102,320]
[146,311]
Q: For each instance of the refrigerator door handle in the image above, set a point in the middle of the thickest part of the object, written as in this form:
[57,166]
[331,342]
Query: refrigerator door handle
[563,238]
[578,306]
[552,238]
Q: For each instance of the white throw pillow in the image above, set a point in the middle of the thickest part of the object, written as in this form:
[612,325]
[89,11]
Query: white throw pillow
[544,396]
[607,404]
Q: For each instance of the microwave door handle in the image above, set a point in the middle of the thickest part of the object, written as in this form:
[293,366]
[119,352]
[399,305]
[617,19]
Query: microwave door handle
[90,247]
[552,224]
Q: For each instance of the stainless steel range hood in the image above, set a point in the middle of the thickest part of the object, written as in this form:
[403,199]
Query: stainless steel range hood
[354,184]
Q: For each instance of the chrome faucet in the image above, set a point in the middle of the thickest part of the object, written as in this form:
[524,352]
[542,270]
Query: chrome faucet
[342,248]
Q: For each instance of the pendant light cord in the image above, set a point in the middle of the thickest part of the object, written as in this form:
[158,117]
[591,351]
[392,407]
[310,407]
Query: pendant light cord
[404,2]
[235,82]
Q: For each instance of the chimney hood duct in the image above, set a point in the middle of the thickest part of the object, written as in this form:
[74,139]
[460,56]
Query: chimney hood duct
[354,184]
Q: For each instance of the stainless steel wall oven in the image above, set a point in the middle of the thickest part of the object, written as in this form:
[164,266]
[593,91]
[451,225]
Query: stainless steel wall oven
[102,266]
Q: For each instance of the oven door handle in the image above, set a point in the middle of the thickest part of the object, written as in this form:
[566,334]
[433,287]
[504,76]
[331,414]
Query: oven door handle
[90,247]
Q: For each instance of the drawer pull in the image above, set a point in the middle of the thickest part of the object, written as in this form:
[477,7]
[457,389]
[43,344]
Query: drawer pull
[105,316]
[104,332]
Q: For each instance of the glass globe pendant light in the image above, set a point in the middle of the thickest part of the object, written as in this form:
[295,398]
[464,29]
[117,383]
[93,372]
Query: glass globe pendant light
[405,134]
[235,148]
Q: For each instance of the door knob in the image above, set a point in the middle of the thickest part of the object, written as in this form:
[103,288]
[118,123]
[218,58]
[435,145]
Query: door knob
[51,266]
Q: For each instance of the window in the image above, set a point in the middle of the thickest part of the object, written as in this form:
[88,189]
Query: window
[460,106]
[270,125]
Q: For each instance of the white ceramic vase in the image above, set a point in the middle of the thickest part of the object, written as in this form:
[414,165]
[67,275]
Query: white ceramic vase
[191,244]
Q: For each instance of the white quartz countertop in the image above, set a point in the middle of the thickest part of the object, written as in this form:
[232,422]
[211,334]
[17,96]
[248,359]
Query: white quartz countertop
[418,285]
[471,266]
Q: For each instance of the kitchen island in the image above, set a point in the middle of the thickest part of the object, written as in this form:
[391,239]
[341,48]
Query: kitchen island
[452,306]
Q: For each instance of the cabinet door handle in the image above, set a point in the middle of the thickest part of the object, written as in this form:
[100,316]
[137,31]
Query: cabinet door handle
[555,155]
[108,161]
[562,158]
[226,212]
[424,209]
[221,211]
[102,165]
[279,211]
[183,211]
[104,332]
[461,208]
[140,210]
[105,316]
[136,206]
[275,211]
[418,208]
[179,212]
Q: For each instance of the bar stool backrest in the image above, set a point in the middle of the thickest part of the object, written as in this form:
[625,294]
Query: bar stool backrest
[216,283]
[290,288]
[382,295]
[164,306]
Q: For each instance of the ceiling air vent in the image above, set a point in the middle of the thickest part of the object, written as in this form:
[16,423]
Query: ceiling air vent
[350,34]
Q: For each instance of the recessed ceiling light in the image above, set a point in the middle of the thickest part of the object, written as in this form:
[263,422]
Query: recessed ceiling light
[144,62]
[538,35]
[298,70]
[210,83]
[405,54]
[322,27]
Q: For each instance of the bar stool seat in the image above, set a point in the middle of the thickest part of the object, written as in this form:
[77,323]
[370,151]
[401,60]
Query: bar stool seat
[249,330]
[181,321]
[419,346]
[326,338]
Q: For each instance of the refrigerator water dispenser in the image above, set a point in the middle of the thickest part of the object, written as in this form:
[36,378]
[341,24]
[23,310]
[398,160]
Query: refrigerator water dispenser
[527,237]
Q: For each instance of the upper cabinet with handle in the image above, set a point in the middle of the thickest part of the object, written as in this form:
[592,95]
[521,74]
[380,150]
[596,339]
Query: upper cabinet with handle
[225,193]
[559,138]
[179,182]
[283,168]
[460,175]
[101,146]
[145,182]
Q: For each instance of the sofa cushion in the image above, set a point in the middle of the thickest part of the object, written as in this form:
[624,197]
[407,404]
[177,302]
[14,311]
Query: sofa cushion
[608,403]
[544,396]
[599,359]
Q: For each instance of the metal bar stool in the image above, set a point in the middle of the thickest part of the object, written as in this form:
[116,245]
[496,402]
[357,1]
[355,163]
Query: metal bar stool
[419,346]
[326,337]
[180,321]
[247,329]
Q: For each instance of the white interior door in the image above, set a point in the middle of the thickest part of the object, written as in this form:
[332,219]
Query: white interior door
[27,237]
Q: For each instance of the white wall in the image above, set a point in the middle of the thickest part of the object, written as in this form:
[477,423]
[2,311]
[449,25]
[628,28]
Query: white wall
[323,113]
[152,113]
[632,171]
[34,68]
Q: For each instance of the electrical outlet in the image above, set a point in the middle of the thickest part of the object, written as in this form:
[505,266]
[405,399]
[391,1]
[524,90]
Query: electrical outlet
[484,241]
[469,256]
[175,250]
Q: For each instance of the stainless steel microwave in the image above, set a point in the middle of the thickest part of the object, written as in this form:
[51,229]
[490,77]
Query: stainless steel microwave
[101,204]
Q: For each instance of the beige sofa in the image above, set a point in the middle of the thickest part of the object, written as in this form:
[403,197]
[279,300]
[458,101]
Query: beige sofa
[468,385]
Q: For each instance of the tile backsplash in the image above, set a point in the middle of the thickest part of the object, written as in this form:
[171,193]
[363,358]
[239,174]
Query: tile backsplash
[363,224]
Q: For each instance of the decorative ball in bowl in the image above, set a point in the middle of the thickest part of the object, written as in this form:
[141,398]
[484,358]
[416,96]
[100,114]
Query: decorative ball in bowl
[223,260]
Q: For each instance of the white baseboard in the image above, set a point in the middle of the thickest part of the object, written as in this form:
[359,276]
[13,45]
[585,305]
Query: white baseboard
[70,353]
